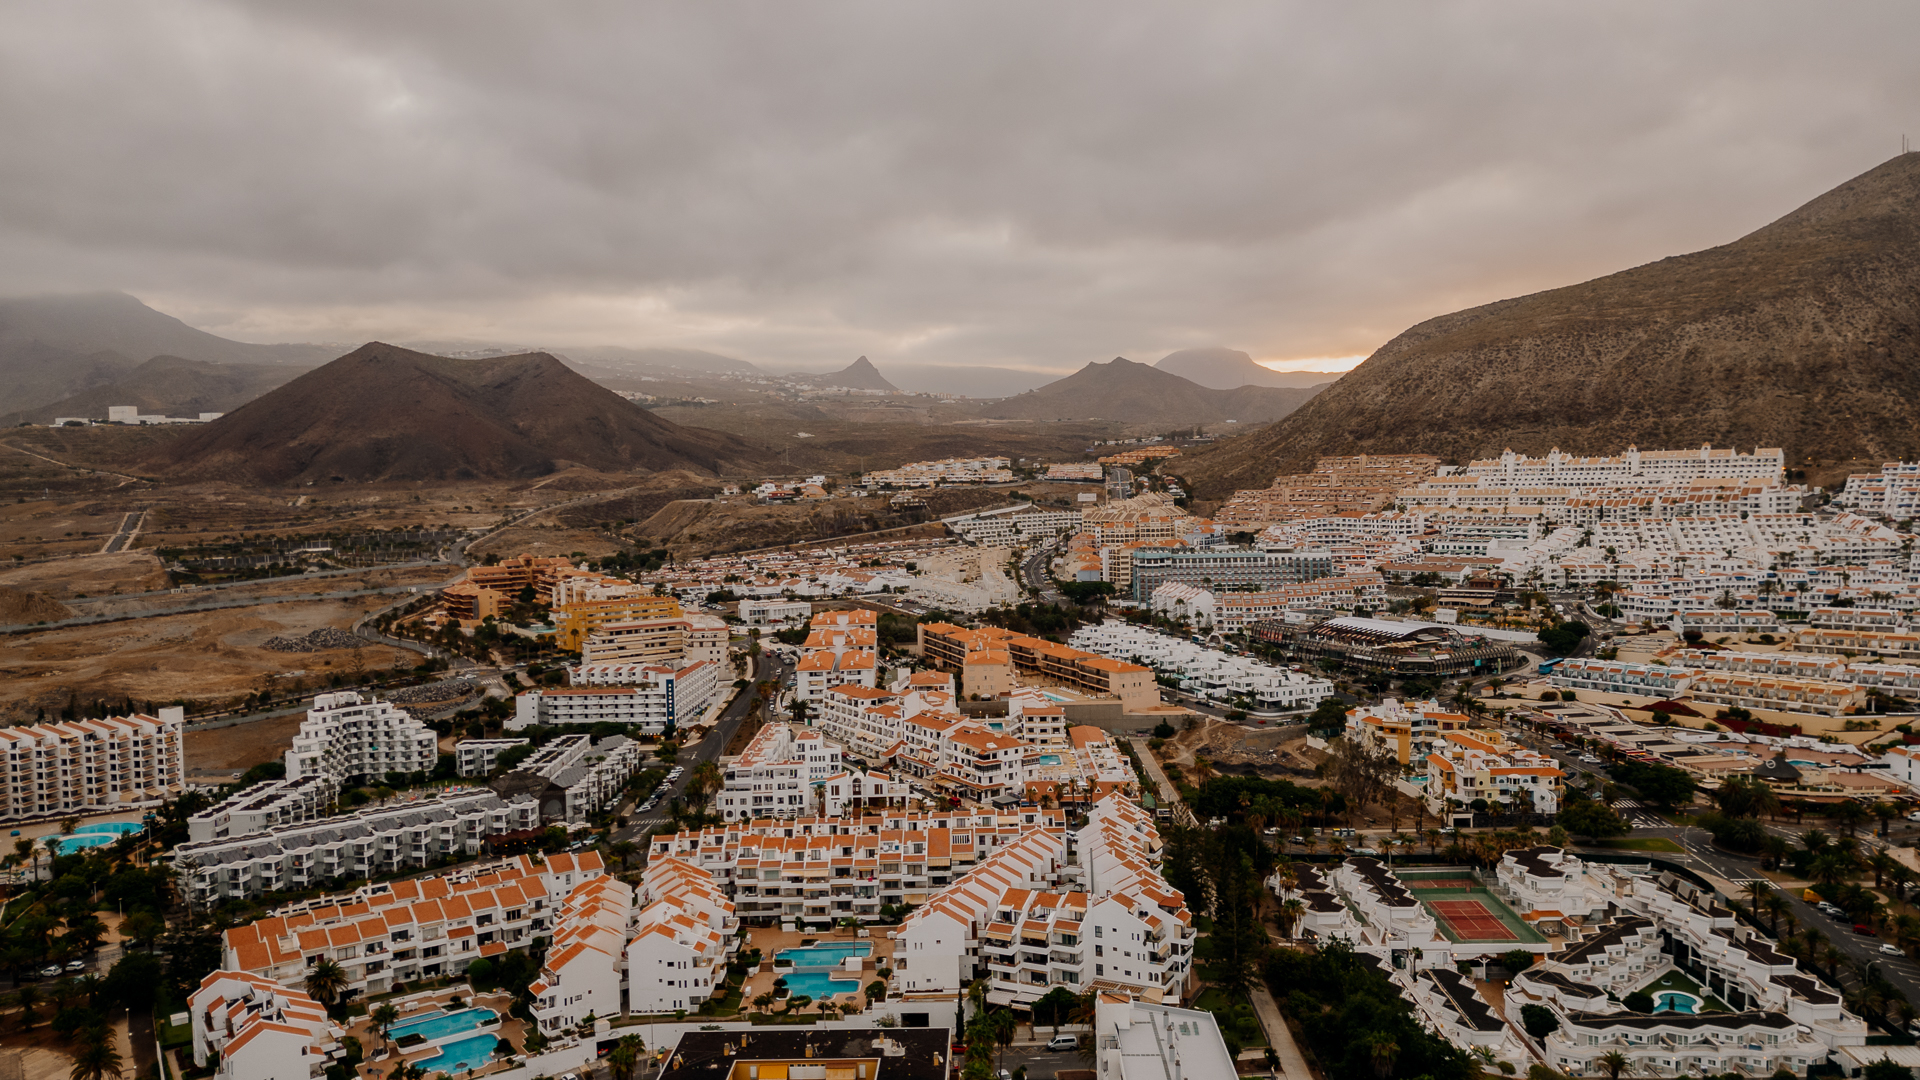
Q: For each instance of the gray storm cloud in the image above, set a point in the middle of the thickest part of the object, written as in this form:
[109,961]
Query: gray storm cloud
[982,183]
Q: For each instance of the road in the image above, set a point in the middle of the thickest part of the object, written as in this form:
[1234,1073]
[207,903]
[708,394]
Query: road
[768,666]
[1036,571]
[1163,788]
[123,536]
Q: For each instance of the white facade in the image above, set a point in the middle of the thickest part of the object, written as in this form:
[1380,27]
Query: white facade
[581,975]
[310,854]
[774,776]
[649,696]
[1208,673]
[120,763]
[345,737]
[775,612]
[264,806]
[260,1030]
[477,757]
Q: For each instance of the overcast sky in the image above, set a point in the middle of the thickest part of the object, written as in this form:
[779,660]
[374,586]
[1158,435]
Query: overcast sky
[1009,184]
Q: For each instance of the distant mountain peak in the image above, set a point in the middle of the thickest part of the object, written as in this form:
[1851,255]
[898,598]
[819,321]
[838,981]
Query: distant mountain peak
[859,375]
[1225,369]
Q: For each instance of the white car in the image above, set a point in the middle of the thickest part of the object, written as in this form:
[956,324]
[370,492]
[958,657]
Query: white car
[1891,950]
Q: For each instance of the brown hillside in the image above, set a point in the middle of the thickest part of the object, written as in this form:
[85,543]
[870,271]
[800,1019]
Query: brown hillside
[18,607]
[1133,393]
[1804,335]
[386,413]
[170,386]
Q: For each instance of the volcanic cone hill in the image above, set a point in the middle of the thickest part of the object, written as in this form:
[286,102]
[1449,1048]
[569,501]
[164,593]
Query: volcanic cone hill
[859,375]
[1803,335]
[386,413]
[1139,394]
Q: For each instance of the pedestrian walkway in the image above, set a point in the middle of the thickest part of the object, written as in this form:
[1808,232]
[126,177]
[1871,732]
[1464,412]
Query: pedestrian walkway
[1163,787]
[1293,1064]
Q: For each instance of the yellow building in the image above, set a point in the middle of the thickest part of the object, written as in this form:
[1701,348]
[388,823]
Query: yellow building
[573,623]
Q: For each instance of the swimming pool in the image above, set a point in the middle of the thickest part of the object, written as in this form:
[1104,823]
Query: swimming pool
[1049,759]
[822,957]
[441,1025]
[96,835]
[1675,1002]
[461,1054]
[819,985]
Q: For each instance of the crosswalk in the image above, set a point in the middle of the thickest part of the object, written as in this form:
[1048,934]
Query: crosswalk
[1638,816]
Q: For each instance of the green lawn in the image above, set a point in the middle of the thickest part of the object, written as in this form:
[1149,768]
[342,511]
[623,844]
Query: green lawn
[1641,843]
[1236,1018]
[1679,980]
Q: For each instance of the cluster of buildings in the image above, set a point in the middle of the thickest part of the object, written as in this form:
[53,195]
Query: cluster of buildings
[1205,672]
[820,572]
[1011,526]
[131,414]
[91,766]
[1233,611]
[1453,769]
[1601,932]
[949,471]
[990,659]
[652,697]
[1363,484]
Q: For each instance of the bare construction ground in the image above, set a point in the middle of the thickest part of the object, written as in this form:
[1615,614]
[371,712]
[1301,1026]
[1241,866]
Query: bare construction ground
[91,575]
[214,753]
[212,655]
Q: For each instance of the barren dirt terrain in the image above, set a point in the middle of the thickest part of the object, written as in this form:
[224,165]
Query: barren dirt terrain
[215,751]
[93,575]
[210,655]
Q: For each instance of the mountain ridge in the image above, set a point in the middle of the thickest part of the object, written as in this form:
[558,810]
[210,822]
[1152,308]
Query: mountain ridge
[1802,334]
[1220,368]
[1136,393]
[383,412]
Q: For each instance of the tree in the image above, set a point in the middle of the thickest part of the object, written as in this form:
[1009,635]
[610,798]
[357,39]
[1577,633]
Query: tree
[1662,785]
[1615,1064]
[1592,819]
[1538,1020]
[143,928]
[1639,1001]
[98,1058]
[133,981]
[624,1056]
[1885,1069]
[384,1017]
[326,982]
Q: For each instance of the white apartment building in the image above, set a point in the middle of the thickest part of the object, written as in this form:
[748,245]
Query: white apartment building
[682,939]
[1635,464]
[1467,766]
[1140,1040]
[581,975]
[775,612]
[572,777]
[348,738]
[820,869]
[673,641]
[382,840]
[1034,924]
[1208,673]
[260,1030]
[420,928]
[120,763]
[822,671]
[478,757]
[775,775]
[265,806]
[648,696]
[926,474]
[1014,526]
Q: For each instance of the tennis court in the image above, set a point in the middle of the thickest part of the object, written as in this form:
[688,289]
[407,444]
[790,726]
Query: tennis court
[1416,884]
[1470,920]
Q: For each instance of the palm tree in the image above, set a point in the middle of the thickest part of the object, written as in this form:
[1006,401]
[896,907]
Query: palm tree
[97,1058]
[763,1002]
[1382,1050]
[69,825]
[1615,1064]
[384,1017]
[623,850]
[706,778]
[1290,915]
[623,1057]
[1885,812]
[326,982]
[1433,840]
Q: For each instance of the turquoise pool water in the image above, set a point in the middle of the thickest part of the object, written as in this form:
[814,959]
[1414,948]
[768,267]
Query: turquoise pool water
[1049,759]
[820,984]
[461,1054]
[822,957]
[92,836]
[1676,1002]
[441,1025]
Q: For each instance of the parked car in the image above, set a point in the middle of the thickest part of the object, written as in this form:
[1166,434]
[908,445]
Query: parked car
[76,966]
[1063,1042]
[51,971]
[1890,949]
[1863,928]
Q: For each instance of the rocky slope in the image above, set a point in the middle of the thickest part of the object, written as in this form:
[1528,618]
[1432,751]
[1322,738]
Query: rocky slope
[1131,393]
[386,413]
[1804,334]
